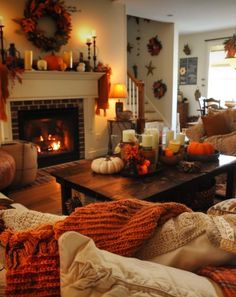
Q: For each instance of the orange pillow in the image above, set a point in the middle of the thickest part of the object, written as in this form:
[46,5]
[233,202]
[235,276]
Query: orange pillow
[215,125]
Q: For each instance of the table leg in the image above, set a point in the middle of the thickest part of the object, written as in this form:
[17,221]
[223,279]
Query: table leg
[230,183]
[66,194]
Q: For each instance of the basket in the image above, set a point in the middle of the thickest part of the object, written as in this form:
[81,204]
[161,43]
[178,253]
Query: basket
[202,197]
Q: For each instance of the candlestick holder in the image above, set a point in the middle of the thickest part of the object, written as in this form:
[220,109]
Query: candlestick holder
[2,45]
[94,52]
[89,43]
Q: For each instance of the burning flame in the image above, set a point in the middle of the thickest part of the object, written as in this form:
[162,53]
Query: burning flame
[50,144]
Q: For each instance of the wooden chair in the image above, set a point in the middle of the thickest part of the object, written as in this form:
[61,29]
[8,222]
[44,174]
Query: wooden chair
[210,103]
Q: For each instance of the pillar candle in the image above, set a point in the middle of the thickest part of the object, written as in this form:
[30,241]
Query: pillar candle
[155,136]
[68,58]
[1,21]
[128,135]
[28,61]
[181,138]
[147,140]
[169,136]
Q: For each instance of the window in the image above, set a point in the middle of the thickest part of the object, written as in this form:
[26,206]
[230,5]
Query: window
[221,77]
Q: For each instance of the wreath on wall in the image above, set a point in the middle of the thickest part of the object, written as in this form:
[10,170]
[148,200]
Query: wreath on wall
[159,89]
[55,9]
[154,46]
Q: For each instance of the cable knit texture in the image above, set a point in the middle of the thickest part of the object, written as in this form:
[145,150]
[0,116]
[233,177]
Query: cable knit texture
[120,227]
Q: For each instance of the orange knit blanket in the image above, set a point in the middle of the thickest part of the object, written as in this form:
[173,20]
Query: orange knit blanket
[120,227]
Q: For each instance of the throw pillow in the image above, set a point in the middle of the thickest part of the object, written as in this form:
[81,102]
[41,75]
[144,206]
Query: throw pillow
[196,132]
[215,124]
[224,207]
[94,272]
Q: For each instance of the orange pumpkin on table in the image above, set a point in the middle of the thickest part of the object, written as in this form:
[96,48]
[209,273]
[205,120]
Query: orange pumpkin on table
[200,148]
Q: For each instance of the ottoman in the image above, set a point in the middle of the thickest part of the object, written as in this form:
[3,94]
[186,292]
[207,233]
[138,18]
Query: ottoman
[7,169]
[25,155]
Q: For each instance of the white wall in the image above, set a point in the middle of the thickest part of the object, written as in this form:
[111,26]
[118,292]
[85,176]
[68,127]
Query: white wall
[106,17]
[198,47]
[165,62]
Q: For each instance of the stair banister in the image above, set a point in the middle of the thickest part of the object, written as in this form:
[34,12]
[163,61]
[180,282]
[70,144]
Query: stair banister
[136,101]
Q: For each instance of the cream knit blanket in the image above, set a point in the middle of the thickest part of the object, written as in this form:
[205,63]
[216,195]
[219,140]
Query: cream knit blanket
[181,230]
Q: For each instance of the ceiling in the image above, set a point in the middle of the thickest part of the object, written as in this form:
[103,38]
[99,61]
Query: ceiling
[191,16]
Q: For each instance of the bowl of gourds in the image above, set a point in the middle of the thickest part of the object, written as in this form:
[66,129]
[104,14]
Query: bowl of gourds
[201,151]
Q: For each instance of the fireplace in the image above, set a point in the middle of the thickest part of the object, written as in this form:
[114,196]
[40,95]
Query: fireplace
[54,90]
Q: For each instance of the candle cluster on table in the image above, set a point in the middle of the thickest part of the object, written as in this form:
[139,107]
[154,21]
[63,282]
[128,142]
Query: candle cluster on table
[140,157]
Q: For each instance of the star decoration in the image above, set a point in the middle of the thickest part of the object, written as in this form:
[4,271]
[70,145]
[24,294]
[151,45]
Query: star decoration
[129,47]
[150,68]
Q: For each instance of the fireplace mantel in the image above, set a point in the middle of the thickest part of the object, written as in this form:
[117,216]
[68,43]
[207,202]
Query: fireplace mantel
[56,85]
[49,85]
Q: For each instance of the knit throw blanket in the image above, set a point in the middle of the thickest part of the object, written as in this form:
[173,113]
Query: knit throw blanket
[121,227]
[225,277]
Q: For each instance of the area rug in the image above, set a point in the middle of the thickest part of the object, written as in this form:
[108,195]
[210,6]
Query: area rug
[44,175]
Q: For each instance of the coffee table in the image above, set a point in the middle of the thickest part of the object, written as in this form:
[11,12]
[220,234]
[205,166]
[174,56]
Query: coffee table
[158,187]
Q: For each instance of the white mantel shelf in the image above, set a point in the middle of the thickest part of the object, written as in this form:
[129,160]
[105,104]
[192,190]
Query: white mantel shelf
[56,85]
[48,85]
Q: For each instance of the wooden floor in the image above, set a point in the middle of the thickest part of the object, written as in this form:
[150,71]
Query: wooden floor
[45,198]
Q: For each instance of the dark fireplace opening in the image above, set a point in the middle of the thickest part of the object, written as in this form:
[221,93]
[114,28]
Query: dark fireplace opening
[54,131]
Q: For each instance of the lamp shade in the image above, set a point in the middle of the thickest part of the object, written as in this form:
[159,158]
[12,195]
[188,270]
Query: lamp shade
[118,91]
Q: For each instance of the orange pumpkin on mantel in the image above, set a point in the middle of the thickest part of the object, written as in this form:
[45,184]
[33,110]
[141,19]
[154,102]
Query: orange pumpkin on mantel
[200,148]
[54,62]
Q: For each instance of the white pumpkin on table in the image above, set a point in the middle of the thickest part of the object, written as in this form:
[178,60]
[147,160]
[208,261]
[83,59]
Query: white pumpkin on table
[107,165]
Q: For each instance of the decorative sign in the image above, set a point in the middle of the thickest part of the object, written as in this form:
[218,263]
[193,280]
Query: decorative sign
[188,71]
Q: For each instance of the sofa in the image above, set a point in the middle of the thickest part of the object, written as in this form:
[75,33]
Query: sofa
[217,127]
[124,248]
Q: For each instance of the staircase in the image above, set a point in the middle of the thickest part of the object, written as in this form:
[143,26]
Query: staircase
[141,106]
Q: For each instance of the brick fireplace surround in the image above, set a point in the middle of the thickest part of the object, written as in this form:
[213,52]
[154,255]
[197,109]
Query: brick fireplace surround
[48,89]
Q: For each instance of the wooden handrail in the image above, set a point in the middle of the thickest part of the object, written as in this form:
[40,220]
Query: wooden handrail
[140,102]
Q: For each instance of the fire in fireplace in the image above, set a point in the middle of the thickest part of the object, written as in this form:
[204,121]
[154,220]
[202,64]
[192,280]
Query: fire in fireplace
[54,131]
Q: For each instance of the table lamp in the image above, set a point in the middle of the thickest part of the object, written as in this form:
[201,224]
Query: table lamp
[118,91]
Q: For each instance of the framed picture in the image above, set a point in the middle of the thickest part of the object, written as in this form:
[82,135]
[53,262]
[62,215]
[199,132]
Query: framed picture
[188,71]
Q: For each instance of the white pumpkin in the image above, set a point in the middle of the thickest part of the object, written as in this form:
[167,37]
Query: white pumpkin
[42,64]
[107,165]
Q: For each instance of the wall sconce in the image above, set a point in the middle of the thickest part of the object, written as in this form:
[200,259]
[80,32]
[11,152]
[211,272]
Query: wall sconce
[118,91]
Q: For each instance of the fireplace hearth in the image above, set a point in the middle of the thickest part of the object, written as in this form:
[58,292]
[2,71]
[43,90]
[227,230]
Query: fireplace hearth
[54,131]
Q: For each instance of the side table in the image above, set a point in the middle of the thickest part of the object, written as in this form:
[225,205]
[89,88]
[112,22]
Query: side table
[117,126]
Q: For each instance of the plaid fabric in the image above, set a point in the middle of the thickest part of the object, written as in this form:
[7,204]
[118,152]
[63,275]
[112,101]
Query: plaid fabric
[225,277]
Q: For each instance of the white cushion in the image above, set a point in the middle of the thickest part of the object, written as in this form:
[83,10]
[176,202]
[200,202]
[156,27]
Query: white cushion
[87,271]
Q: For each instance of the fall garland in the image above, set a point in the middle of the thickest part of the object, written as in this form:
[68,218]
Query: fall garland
[55,9]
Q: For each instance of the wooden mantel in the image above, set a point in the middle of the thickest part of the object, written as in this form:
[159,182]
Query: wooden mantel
[56,85]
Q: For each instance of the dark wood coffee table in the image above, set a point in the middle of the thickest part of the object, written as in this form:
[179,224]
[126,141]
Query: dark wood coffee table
[158,187]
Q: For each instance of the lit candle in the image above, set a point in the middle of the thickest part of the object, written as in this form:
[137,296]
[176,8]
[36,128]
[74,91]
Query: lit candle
[128,135]
[169,136]
[94,33]
[88,40]
[174,145]
[147,140]
[28,61]
[181,138]
[1,21]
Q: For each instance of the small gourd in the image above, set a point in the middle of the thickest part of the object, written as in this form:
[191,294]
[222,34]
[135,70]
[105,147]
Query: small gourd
[200,148]
[107,165]
[42,64]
